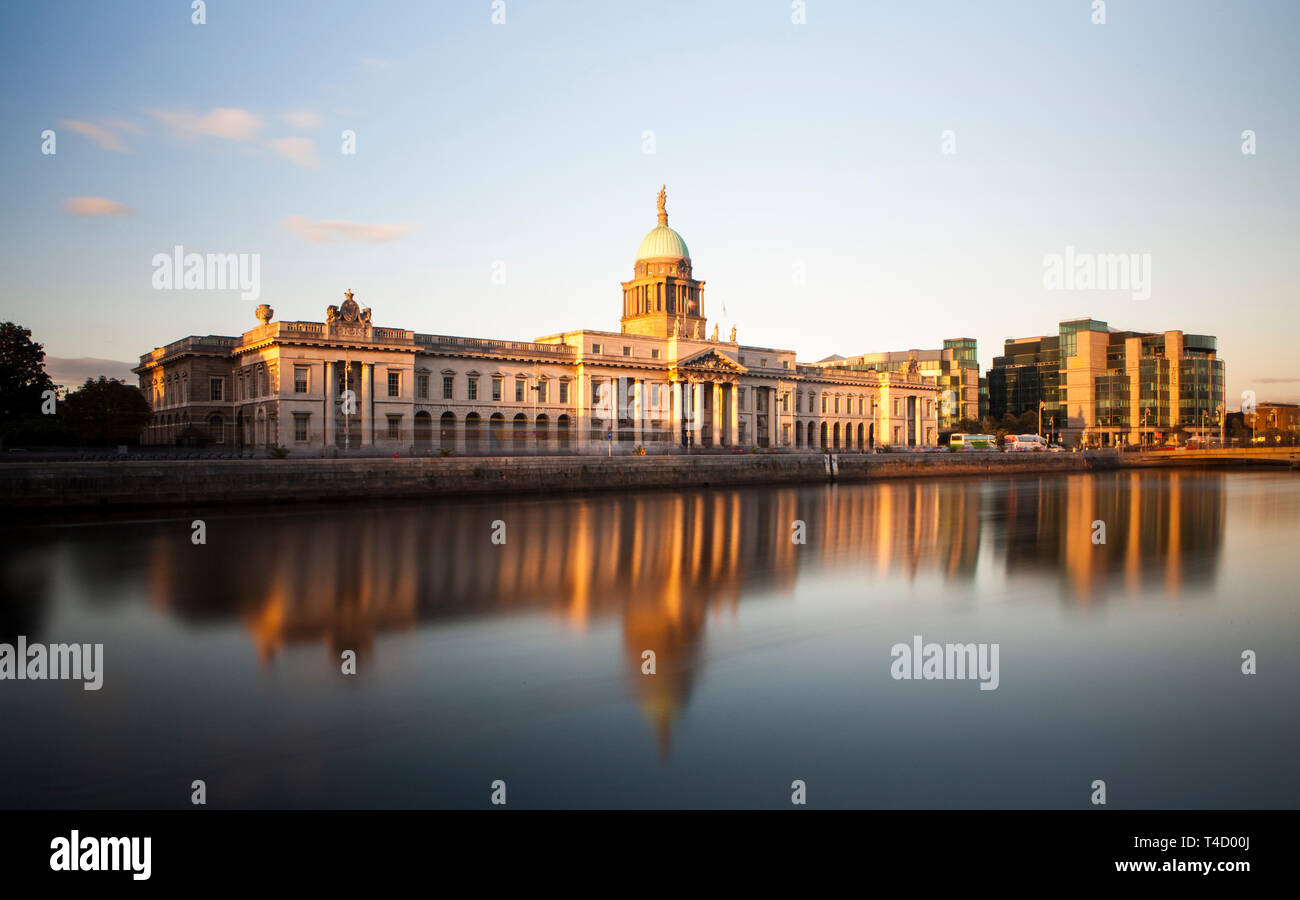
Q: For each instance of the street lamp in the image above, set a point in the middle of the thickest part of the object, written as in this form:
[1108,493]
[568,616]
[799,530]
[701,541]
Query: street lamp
[1040,418]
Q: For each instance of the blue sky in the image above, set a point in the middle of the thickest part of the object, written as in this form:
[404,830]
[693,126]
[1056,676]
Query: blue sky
[816,145]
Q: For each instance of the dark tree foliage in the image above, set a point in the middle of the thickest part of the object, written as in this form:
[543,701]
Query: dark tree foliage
[22,374]
[105,412]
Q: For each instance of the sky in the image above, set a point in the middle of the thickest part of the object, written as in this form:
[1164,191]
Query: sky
[504,174]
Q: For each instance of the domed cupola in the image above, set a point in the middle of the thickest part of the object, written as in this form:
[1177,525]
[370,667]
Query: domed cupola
[662,298]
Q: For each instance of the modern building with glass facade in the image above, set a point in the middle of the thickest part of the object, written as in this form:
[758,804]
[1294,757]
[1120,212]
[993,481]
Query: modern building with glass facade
[954,368]
[1104,387]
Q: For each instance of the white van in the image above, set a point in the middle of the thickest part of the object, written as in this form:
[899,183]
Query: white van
[1026,442]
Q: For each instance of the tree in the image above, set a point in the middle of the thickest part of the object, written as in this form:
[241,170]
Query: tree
[22,374]
[106,412]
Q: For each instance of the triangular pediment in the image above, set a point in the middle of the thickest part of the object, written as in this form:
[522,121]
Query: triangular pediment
[711,360]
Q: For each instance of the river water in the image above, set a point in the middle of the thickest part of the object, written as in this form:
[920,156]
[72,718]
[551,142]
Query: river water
[523,662]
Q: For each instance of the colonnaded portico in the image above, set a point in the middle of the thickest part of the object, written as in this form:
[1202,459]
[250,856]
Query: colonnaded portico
[659,383]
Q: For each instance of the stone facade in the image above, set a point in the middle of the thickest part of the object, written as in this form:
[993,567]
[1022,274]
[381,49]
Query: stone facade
[659,383]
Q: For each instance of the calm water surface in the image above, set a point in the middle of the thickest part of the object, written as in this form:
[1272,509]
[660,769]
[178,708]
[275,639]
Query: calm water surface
[522,661]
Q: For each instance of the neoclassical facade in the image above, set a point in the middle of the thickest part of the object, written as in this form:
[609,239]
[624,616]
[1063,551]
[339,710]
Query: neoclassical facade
[661,382]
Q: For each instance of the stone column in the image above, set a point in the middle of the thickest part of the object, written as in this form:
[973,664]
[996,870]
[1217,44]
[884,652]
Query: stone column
[675,418]
[718,415]
[617,399]
[733,424]
[635,408]
[582,413]
[327,389]
[364,402]
[697,405]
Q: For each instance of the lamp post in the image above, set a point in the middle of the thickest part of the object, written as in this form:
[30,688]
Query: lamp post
[1040,418]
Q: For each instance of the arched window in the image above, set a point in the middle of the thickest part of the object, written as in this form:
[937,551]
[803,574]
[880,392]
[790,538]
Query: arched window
[423,430]
[447,431]
[496,432]
[473,432]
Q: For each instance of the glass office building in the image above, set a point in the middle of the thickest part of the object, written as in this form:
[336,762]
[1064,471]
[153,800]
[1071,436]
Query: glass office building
[1104,387]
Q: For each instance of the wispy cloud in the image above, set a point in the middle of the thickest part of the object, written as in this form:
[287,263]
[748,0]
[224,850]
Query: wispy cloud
[95,206]
[328,230]
[123,125]
[1276,380]
[103,138]
[299,150]
[223,122]
[302,118]
[374,62]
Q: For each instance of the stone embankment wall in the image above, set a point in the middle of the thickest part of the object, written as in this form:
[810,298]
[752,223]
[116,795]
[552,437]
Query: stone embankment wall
[67,485]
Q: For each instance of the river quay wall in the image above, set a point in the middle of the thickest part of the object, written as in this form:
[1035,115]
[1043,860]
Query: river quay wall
[127,483]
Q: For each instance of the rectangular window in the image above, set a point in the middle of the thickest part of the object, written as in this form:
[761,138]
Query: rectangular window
[447,382]
[300,426]
[595,392]
[215,386]
[785,364]
[595,348]
[300,379]
[496,388]
[740,399]
[519,390]
[654,353]
[543,390]
[837,404]
[785,404]
[472,385]
[895,408]
[394,428]
[422,386]
[564,392]
[627,351]
[394,383]
[823,404]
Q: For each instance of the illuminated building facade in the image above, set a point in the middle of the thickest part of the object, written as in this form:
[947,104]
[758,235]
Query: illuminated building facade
[661,383]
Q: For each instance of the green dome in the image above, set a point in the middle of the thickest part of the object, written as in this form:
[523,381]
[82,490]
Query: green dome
[662,242]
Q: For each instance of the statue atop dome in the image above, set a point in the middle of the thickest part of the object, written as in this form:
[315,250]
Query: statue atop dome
[663,205]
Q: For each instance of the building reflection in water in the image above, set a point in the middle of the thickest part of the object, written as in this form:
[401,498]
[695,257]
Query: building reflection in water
[663,563]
